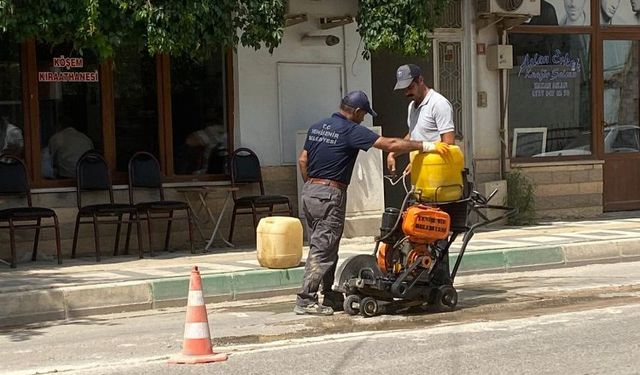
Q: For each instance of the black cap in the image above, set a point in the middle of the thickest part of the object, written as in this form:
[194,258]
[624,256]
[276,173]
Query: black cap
[358,99]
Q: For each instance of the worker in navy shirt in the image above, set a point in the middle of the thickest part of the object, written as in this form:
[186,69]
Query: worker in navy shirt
[326,164]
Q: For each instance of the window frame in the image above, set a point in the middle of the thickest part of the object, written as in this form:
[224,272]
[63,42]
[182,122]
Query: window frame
[558,30]
[31,112]
[597,35]
[523,131]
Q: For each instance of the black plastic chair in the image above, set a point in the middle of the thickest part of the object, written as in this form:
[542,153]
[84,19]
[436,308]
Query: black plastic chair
[92,174]
[14,182]
[245,169]
[145,173]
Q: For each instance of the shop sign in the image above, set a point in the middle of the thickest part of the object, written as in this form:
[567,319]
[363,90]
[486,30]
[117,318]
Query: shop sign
[62,76]
[551,74]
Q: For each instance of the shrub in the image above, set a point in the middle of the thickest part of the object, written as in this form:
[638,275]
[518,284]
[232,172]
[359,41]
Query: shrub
[521,195]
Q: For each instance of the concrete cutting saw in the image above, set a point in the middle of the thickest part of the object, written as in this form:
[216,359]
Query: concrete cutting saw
[409,266]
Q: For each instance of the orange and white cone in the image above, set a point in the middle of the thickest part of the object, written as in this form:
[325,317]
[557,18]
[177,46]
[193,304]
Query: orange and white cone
[196,347]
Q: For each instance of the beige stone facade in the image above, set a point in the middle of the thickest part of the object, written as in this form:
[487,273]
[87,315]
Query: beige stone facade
[563,190]
[277,180]
[566,189]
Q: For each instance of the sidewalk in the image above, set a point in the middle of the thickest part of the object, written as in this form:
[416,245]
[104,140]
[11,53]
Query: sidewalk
[44,291]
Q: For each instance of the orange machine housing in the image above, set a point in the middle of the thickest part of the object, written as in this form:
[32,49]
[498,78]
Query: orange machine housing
[425,224]
[387,265]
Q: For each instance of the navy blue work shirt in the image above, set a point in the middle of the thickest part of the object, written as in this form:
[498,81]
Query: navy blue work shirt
[332,146]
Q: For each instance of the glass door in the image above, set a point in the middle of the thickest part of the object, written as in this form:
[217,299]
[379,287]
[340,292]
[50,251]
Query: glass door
[620,125]
[620,93]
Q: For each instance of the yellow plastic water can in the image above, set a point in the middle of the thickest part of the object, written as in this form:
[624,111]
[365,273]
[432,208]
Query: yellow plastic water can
[279,242]
[438,179]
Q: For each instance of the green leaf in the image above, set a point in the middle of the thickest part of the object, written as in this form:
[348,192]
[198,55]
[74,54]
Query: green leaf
[193,27]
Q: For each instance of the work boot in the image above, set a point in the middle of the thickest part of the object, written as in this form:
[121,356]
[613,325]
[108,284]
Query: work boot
[313,309]
[334,300]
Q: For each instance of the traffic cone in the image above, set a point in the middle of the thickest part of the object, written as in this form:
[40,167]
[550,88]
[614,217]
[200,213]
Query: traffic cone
[196,347]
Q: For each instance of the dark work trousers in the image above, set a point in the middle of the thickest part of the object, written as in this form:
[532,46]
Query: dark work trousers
[324,211]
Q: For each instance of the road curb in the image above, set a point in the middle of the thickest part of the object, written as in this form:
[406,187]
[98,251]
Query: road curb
[22,307]
[104,299]
[534,257]
[505,260]
[227,286]
[596,251]
[31,306]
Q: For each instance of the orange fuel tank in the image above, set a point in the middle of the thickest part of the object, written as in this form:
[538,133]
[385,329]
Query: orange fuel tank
[424,224]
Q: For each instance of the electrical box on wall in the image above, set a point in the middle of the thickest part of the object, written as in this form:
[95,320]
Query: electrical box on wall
[500,56]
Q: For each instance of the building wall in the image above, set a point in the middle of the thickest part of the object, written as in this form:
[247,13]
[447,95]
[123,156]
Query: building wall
[256,112]
[486,119]
[256,127]
[565,190]
[277,180]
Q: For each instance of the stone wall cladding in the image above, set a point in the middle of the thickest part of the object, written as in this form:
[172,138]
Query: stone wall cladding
[565,189]
[277,180]
[486,170]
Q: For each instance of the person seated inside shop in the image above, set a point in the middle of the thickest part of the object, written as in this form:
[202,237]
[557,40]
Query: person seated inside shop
[64,149]
[11,139]
[204,151]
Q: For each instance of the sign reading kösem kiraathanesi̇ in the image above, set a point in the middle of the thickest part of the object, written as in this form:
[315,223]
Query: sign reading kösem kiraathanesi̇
[68,63]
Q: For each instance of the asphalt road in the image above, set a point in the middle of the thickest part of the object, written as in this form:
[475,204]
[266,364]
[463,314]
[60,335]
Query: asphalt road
[602,341]
[583,320]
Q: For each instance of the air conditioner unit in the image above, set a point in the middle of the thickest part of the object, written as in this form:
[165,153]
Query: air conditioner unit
[509,7]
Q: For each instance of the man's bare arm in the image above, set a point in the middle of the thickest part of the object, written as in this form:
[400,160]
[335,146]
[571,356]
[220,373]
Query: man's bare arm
[302,163]
[397,145]
[449,138]
[406,138]
[391,157]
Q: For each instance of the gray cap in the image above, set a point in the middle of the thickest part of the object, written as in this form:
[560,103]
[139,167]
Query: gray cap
[405,75]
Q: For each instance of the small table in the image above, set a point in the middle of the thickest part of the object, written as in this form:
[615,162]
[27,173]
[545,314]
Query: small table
[202,192]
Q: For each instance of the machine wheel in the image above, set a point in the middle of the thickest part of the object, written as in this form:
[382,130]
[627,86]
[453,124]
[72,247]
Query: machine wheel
[351,304]
[368,307]
[445,298]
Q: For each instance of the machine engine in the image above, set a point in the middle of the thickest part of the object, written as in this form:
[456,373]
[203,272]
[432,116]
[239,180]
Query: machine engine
[413,239]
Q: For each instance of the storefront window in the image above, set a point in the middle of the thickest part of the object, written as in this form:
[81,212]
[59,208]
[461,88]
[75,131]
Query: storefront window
[619,12]
[70,110]
[621,103]
[563,13]
[136,103]
[549,95]
[198,115]
[11,116]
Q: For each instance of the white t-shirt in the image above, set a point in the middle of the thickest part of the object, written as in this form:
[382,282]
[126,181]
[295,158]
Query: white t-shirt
[433,117]
[12,137]
[66,147]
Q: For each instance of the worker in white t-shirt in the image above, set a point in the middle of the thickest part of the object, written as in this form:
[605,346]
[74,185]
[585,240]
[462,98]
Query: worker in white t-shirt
[429,116]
